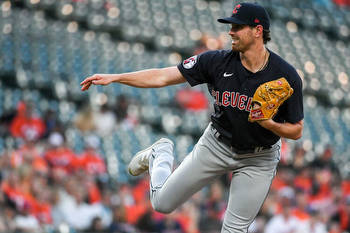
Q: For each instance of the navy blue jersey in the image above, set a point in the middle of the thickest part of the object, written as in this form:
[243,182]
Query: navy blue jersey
[232,86]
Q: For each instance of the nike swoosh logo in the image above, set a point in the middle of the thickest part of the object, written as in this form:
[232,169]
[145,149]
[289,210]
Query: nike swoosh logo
[228,74]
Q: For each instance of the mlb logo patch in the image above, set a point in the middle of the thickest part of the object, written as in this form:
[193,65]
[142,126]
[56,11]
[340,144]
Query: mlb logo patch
[189,62]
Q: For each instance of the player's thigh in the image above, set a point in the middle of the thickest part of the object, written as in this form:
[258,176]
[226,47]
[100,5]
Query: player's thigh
[249,187]
[198,169]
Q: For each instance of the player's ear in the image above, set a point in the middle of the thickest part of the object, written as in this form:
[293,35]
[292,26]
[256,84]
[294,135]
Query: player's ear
[259,30]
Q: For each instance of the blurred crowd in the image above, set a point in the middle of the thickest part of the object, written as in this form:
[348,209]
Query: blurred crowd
[46,186]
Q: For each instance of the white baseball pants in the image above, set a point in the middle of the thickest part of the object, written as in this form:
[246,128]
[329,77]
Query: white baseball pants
[251,180]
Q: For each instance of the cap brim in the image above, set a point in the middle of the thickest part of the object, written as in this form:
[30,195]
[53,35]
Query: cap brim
[231,20]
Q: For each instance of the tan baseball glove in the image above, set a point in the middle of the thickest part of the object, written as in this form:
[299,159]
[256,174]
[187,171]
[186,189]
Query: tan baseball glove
[267,99]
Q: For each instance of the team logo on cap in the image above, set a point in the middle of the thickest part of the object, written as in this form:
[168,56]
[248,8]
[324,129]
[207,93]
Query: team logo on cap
[235,10]
[189,62]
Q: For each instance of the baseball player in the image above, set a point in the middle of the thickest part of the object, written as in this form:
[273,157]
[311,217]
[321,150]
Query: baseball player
[258,99]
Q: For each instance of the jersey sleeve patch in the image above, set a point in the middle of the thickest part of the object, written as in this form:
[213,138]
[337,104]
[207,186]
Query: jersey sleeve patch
[189,62]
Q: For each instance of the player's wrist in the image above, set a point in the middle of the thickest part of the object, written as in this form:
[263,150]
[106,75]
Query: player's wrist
[268,124]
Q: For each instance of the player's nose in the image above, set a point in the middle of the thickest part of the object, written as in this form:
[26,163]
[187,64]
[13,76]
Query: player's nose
[232,35]
[231,32]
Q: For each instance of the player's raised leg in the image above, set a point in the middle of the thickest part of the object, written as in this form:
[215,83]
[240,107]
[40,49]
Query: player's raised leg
[169,190]
[207,161]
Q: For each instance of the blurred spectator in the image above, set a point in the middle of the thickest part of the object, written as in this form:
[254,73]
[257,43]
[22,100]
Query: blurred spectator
[106,206]
[72,207]
[342,3]
[7,217]
[191,99]
[90,160]
[303,181]
[145,222]
[104,121]
[42,193]
[60,157]
[300,211]
[188,217]
[51,122]
[121,107]
[320,196]
[16,187]
[286,155]
[84,120]
[214,207]
[5,122]
[343,215]
[96,226]
[334,228]
[298,158]
[119,224]
[258,225]
[169,224]
[26,123]
[312,225]
[325,161]
[284,222]
[28,154]
[127,111]
[284,177]
[270,206]
[92,190]
[26,222]
[208,42]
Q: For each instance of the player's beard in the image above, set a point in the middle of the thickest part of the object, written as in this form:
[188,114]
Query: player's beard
[242,41]
[240,44]
[235,45]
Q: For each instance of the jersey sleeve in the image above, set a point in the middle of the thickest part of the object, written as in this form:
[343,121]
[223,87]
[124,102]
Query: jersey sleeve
[196,68]
[294,105]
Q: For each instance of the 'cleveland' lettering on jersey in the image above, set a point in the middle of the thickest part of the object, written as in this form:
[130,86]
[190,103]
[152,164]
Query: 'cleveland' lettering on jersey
[232,99]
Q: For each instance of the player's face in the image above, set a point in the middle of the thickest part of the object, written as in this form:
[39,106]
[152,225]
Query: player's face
[242,37]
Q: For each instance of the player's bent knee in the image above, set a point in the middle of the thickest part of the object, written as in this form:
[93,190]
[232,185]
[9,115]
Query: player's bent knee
[162,208]
[234,227]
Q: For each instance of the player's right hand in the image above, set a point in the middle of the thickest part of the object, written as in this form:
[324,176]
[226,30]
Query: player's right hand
[96,79]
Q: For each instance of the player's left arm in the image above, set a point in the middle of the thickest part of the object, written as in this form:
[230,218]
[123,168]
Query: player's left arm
[286,130]
[293,124]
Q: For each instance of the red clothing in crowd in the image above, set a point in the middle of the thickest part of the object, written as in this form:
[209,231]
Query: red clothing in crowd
[61,158]
[42,211]
[25,124]
[278,183]
[344,218]
[345,185]
[342,2]
[303,183]
[29,153]
[134,212]
[300,214]
[94,193]
[91,162]
[192,99]
[20,127]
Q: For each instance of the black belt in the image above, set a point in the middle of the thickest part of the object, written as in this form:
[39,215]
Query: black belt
[227,142]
